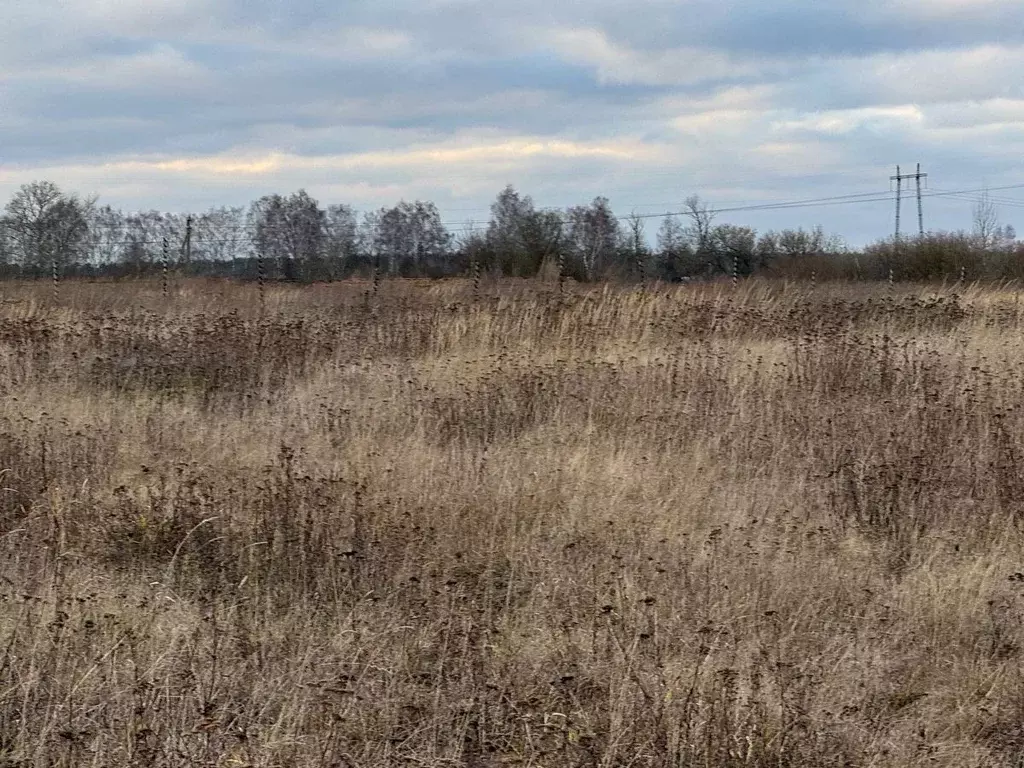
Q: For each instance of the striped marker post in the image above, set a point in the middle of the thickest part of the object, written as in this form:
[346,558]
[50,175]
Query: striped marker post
[261,279]
[165,266]
[56,279]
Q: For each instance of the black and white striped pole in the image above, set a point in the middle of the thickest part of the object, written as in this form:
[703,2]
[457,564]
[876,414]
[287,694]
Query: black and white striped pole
[165,266]
[261,279]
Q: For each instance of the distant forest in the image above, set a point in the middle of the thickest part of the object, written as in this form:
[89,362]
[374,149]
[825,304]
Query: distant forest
[45,230]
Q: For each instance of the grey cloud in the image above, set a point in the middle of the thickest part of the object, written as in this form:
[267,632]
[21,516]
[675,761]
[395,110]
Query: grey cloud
[742,100]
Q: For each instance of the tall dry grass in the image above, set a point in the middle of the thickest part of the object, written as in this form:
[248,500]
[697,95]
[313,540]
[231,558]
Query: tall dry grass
[697,526]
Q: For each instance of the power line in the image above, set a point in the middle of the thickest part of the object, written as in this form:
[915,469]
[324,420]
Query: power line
[248,231]
[473,224]
[980,195]
[863,197]
[995,201]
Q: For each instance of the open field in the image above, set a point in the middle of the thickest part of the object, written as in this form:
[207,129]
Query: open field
[697,526]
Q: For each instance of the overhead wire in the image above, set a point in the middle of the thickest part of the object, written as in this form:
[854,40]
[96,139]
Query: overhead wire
[249,231]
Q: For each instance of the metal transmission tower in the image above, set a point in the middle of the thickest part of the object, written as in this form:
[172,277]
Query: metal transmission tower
[920,210]
[899,178]
[899,189]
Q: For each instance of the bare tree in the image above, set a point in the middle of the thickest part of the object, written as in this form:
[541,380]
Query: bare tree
[701,218]
[986,221]
[341,239]
[593,235]
[797,243]
[638,244]
[794,244]
[105,240]
[6,255]
[472,248]
[671,237]
[520,237]
[411,238]
[144,233]
[366,236]
[218,235]
[506,241]
[734,249]
[676,258]
[45,226]
[288,229]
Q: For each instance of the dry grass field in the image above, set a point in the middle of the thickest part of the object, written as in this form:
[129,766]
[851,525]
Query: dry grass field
[692,526]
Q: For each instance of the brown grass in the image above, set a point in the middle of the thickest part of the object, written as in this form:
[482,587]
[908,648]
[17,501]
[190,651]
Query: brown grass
[696,526]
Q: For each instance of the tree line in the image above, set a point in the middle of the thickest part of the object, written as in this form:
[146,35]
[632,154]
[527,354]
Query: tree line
[294,237]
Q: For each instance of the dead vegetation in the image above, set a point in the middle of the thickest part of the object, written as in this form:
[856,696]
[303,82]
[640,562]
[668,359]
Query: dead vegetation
[696,526]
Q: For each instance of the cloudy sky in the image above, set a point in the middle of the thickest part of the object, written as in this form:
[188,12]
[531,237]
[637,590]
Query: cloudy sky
[185,104]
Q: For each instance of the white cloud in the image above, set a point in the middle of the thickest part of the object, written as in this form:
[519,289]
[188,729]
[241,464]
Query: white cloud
[988,113]
[979,72]
[159,67]
[840,121]
[181,103]
[943,9]
[619,64]
[337,42]
[465,164]
[505,153]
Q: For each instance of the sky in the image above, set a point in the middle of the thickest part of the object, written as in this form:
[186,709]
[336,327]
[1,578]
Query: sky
[181,105]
